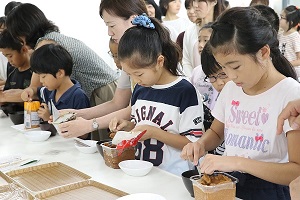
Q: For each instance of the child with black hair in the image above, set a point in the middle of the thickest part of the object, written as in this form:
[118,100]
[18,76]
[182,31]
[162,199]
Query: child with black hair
[262,83]
[54,66]
[217,78]
[18,69]
[289,38]
[270,14]
[197,78]
[163,103]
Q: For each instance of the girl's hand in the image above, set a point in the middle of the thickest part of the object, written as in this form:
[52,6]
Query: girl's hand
[212,163]
[43,112]
[75,128]
[292,113]
[148,134]
[193,152]
[116,125]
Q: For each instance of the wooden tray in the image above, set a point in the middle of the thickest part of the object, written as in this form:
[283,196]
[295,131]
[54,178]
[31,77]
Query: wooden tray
[4,180]
[47,176]
[87,190]
[5,189]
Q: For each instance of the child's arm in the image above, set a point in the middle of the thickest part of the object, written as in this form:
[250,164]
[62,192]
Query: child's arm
[279,173]
[173,140]
[11,95]
[29,94]
[296,62]
[294,188]
[212,138]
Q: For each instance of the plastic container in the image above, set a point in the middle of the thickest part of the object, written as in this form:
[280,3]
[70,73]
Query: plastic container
[214,192]
[31,118]
[112,157]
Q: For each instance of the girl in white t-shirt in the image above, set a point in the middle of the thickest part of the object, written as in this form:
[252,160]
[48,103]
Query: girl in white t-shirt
[262,83]
[175,24]
[289,38]
[197,79]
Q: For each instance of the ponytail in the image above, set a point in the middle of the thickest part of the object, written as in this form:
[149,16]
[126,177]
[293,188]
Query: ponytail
[282,64]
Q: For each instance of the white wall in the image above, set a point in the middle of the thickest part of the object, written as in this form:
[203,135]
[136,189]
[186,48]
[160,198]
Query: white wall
[78,19]
[81,20]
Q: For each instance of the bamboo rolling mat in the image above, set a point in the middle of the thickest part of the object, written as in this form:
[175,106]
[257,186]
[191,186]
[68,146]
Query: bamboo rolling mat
[87,190]
[8,189]
[4,180]
[43,177]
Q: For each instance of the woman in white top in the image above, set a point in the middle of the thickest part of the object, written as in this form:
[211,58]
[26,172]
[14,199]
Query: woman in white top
[117,15]
[206,11]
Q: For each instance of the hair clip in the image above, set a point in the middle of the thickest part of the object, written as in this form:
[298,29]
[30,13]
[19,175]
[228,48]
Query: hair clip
[143,20]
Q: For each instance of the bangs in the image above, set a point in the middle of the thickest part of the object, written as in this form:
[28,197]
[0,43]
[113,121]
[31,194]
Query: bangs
[225,49]
[137,61]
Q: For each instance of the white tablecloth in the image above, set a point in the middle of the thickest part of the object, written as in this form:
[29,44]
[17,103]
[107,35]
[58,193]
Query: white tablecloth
[58,149]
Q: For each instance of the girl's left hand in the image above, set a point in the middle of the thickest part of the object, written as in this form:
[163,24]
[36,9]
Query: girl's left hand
[212,163]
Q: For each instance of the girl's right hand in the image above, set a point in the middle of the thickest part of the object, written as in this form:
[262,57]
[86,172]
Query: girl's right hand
[116,125]
[193,152]
[27,94]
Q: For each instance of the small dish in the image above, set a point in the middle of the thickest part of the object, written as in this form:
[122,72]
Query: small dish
[143,196]
[89,148]
[37,136]
[136,167]
[45,126]
[187,181]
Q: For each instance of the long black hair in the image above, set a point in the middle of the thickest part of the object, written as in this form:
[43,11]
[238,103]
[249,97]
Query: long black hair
[245,31]
[144,45]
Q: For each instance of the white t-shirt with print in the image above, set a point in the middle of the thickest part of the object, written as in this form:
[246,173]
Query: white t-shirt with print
[250,121]
[289,45]
[175,107]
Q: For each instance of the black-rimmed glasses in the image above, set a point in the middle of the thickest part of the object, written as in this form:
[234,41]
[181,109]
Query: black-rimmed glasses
[112,55]
[212,79]
[281,17]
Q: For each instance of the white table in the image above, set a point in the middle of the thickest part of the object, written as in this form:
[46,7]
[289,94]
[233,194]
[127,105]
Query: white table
[58,149]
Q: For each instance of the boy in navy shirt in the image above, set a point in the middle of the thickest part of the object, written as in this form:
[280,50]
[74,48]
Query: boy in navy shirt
[54,66]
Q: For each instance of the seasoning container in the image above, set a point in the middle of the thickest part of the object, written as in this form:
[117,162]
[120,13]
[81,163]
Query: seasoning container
[219,190]
[113,156]
[31,118]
